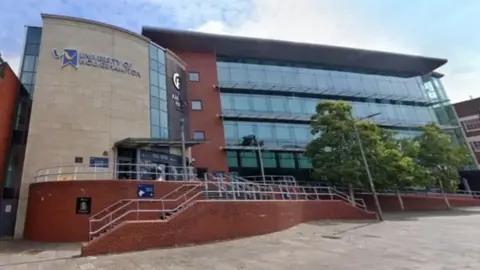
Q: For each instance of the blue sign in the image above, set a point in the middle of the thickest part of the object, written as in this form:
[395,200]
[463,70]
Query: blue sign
[99,162]
[145,191]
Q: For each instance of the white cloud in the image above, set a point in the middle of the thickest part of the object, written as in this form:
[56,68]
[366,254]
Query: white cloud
[330,22]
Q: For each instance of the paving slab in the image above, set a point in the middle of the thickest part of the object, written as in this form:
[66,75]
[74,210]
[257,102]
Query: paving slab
[439,240]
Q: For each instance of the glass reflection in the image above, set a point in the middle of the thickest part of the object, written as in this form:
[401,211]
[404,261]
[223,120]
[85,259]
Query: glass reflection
[279,135]
[393,113]
[292,78]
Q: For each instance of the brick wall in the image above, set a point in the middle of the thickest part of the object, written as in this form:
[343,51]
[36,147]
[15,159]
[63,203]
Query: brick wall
[9,90]
[208,155]
[209,221]
[51,213]
[390,203]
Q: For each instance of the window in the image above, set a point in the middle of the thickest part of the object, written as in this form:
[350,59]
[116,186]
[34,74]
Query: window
[199,135]
[232,159]
[286,160]
[248,159]
[471,125]
[194,76]
[196,105]
[476,146]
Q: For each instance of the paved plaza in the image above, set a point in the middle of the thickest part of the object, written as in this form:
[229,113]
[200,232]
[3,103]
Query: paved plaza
[426,241]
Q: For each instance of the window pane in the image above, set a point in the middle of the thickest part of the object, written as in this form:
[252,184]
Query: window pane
[194,76]
[155,132]
[161,56]
[248,159]
[163,105]
[153,65]
[154,103]
[162,81]
[260,103]
[304,162]
[164,133]
[163,94]
[226,102]
[232,159]
[28,78]
[282,132]
[198,135]
[241,103]
[31,49]
[153,52]
[154,116]
[278,104]
[153,77]
[230,131]
[29,63]
[196,105]
[268,159]
[286,160]
[154,91]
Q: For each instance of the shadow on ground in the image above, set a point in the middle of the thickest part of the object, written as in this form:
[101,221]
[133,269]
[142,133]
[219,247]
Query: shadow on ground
[409,215]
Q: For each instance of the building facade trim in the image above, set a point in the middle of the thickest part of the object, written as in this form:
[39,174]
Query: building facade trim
[330,56]
[113,27]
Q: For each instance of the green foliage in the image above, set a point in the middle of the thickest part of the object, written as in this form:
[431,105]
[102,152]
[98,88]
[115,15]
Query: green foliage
[440,159]
[394,163]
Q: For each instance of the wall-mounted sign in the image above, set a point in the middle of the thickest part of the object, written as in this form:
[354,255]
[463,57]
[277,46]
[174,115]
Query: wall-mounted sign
[99,162]
[84,205]
[75,58]
[177,81]
[145,191]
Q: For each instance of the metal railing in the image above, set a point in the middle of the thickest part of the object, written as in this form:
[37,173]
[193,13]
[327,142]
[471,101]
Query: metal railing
[287,180]
[225,187]
[415,191]
[111,171]
[109,219]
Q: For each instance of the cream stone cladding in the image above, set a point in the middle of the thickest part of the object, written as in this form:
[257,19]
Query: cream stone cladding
[82,112]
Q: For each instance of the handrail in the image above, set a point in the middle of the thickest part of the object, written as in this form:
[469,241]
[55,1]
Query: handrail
[135,211]
[203,192]
[109,171]
[130,200]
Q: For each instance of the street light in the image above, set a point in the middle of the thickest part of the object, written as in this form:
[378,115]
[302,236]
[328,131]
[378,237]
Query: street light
[184,161]
[370,180]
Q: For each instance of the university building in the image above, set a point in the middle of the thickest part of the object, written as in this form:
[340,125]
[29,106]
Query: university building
[102,95]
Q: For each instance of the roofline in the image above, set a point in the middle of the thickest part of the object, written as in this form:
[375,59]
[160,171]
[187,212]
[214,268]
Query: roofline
[334,57]
[260,40]
[75,19]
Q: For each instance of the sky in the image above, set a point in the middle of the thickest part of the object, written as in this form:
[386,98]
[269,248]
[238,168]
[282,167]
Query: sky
[442,28]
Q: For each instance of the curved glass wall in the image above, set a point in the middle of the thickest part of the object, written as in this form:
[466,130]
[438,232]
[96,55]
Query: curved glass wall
[264,75]
[396,113]
[158,94]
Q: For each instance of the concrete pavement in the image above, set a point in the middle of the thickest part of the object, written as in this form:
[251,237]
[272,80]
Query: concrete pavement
[426,241]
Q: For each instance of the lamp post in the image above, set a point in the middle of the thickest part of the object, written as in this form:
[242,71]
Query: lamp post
[369,175]
[184,162]
[262,170]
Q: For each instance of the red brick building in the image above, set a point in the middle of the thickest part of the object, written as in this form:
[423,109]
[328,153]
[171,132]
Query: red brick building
[469,116]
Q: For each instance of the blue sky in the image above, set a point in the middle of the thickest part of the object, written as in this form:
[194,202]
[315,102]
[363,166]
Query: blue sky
[441,28]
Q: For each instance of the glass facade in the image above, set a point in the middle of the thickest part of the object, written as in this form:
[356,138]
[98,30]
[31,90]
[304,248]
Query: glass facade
[274,100]
[391,112]
[30,58]
[293,77]
[158,94]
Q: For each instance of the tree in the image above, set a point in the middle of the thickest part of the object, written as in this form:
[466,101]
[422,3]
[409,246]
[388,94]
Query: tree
[396,165]
[440,159]
[335,153]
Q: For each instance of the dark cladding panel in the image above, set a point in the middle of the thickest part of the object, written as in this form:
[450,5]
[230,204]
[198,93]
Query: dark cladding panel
[177,83]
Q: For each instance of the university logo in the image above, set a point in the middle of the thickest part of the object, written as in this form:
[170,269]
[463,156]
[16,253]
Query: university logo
[76,58]
[68,56]
[176,81]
